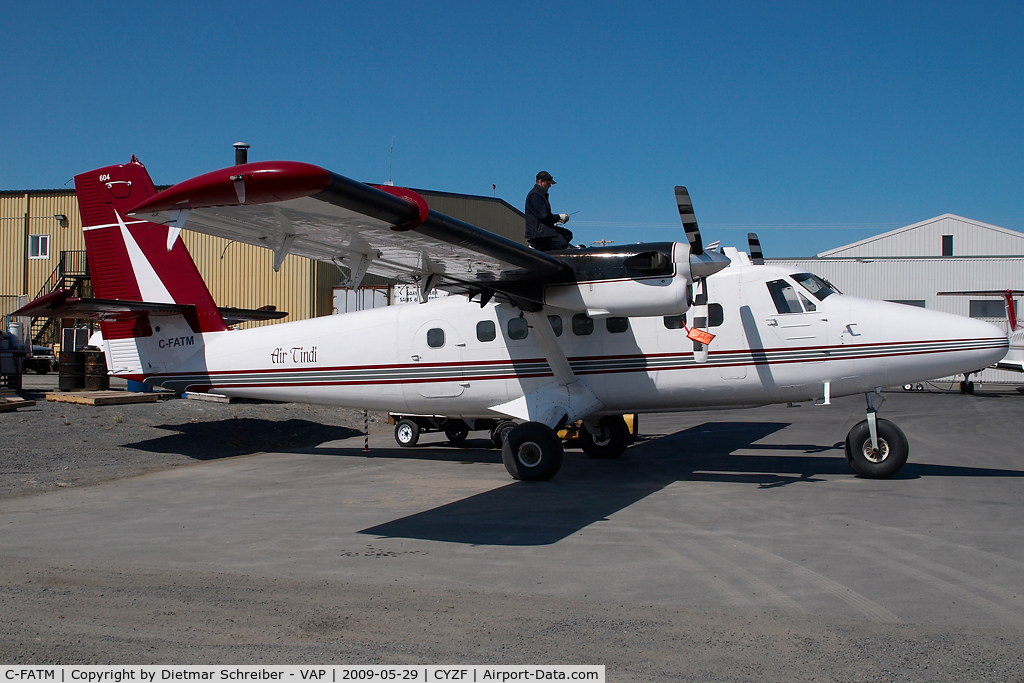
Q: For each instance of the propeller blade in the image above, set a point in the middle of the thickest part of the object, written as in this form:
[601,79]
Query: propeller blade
[756,257]
[689,220]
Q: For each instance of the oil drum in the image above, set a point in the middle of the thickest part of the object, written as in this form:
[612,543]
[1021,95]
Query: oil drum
[71,366]
[96,378]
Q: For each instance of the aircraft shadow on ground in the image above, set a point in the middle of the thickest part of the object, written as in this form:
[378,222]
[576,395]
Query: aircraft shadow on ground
[587,491]
[243,436]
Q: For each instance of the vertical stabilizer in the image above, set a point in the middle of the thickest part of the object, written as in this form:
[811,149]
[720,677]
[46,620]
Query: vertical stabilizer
[128,257]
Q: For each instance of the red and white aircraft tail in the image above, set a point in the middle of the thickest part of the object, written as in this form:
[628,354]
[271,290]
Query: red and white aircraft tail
[131,259]
[143,280]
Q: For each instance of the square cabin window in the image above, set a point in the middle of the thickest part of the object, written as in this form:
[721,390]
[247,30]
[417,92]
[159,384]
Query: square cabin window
[518,328]
[582,325]
[675,322]
[485,331]
[556,324]
[784,297]
[435,337]
[39,246]
[616,325]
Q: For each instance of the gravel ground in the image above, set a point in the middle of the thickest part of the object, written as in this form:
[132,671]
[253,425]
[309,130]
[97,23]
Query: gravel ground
[56,445]
[63,613]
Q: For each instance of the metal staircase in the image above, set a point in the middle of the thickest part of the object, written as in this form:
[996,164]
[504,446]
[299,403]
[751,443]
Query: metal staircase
[71,273]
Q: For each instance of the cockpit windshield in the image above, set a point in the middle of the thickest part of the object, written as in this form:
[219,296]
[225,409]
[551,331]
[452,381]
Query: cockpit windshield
[817,286]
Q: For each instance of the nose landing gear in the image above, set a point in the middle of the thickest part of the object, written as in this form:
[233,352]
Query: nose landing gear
[876,448]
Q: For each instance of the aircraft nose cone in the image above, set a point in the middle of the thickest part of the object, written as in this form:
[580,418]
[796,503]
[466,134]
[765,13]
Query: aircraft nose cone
[998,345]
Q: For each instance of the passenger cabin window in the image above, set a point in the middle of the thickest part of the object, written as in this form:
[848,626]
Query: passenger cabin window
[435,337]
[784,296]
[817,286]
[675,322]
[485,331]
[582,325]
[556,324]
[518,328]
[616,325]
[716,316]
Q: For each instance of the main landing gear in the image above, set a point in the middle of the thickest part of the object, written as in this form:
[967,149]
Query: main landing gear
[967,385]
[532,452]
[876,448]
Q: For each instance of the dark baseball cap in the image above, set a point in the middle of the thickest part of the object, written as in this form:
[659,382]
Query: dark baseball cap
[544,175]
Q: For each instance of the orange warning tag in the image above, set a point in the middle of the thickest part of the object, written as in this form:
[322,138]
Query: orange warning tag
[700,335]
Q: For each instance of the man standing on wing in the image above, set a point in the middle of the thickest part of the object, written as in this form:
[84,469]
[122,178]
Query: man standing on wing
[542,231]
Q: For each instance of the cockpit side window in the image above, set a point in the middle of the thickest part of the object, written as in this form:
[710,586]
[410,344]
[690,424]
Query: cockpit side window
[784,296]
[817,286]
[808,306]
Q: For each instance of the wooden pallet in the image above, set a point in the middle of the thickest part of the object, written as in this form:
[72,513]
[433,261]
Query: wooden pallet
[103,398]
[10,401]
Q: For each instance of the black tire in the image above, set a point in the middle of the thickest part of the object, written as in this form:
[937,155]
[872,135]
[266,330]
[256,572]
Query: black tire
[532,452]
[970,388]
[407,433]
[501,432]
[612,444]
[456,431]
[893,450]
[963,387]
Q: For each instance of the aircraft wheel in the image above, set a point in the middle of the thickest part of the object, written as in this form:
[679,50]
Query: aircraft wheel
[456,431]
[500,432]
[970,388]
[407,433]
[890,457]
[532,452]
[611,443]
[910,387]
[963,387]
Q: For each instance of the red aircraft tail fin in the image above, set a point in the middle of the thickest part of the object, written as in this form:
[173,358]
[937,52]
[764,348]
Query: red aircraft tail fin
[129,258]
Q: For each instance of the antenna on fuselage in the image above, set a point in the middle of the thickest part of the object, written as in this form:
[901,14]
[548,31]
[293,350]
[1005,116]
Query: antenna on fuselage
[391,158]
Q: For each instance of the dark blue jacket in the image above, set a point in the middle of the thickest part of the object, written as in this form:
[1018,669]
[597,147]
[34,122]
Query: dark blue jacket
[540,222]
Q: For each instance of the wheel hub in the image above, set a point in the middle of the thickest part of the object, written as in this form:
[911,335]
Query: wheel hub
[529,453]
[405,433]
[876,456]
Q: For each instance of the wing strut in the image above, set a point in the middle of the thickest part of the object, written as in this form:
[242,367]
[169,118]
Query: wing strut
[568,400]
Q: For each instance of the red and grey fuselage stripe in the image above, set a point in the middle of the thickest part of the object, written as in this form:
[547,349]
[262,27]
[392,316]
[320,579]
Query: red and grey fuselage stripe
[530,368]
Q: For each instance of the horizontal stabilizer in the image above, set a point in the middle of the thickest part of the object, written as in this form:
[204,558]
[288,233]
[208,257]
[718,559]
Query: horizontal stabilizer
[61,304]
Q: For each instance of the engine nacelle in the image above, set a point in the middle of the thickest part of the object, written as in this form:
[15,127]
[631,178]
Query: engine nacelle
[632,281]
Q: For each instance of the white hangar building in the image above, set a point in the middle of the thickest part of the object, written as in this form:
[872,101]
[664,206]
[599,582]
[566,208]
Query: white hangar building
[910,265]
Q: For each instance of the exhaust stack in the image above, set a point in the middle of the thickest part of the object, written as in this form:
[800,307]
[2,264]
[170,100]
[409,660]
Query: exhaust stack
[241,153]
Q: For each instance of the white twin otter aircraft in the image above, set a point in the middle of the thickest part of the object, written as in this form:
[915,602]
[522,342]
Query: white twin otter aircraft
[528,341]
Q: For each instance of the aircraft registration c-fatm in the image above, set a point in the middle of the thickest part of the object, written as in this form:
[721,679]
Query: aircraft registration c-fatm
[527,342]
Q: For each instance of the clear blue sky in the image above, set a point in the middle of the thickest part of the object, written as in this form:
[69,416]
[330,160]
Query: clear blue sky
[814,124]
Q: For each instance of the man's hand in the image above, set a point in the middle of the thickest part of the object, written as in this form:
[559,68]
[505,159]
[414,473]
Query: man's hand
[563,218]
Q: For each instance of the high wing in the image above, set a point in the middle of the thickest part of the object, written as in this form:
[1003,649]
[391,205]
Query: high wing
[297,208]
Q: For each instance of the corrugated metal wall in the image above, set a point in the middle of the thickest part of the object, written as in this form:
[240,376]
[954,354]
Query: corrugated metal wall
[12,243]
[970,238]
[242,275]
[921,279]
[488,213]
[41,208]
